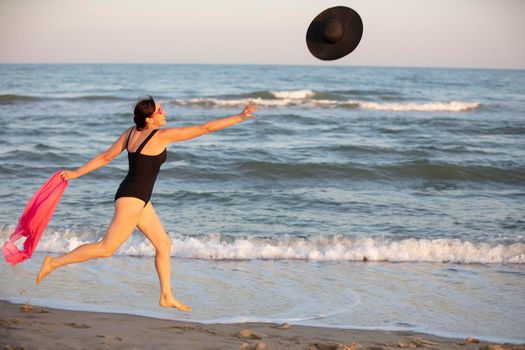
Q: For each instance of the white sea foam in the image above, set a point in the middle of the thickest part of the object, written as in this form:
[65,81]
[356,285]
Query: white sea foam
[339,247]
[452,106]
[320,247]
[303,99]
[294,94]
[237,102]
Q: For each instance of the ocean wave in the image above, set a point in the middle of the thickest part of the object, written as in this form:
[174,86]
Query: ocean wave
[187,165]
[303,99]
[40,154]
[95,98]
[323,247]
[294,94]
[417,169]
[276,99]
[452,106]
[218,102]
[9,99]
[307,94]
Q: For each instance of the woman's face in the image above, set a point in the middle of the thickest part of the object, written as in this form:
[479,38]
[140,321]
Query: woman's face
[158,117]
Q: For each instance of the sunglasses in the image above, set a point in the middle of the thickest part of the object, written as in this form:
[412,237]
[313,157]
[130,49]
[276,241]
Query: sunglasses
[159,111]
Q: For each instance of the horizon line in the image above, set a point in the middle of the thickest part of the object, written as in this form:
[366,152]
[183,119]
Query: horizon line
[262,64]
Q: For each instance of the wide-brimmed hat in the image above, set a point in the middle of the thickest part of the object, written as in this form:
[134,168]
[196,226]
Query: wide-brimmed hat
[334,33]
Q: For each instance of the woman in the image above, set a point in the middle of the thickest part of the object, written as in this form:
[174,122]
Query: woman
[146,145]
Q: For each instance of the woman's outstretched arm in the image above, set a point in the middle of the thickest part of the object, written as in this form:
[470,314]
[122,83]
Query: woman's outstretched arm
[189,132]
[100,160]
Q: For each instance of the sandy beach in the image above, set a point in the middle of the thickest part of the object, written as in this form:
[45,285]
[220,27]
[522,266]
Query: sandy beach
[24,326]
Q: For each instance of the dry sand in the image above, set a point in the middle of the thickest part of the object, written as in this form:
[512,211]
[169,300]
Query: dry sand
[23,326]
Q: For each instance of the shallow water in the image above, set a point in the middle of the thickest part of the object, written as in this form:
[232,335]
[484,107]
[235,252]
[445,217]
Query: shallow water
[455,300]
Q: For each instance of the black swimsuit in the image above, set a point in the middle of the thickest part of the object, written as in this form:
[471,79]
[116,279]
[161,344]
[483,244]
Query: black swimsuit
[142,173]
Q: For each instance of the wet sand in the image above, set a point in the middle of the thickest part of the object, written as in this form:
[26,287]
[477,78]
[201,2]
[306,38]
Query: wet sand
[32,327]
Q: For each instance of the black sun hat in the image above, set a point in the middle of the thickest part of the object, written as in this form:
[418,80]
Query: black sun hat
[334,33]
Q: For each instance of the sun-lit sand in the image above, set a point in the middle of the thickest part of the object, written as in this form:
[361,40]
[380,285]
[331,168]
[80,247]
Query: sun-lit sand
[24,326]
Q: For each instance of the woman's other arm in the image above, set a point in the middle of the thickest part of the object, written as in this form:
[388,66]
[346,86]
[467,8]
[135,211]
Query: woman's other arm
[100,160]
[189,132]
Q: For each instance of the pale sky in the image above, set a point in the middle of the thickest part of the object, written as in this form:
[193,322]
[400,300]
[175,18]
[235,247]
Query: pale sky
[422,33]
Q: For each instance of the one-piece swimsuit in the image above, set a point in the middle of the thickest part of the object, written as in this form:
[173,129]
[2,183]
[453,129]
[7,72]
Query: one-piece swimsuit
[142,173]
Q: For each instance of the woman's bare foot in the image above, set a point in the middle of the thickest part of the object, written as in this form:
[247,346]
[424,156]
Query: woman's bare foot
[170,301]
[46,269]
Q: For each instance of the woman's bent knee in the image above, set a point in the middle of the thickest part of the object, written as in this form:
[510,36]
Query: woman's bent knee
[106,254]
[105,251]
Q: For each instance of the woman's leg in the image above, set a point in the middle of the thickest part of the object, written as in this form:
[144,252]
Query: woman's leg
[125,219]
[151,227]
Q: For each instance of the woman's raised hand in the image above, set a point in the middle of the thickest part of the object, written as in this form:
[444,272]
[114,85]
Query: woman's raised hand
[68,174]
[248,110]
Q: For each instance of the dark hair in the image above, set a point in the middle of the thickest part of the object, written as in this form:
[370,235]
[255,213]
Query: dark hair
[143,109]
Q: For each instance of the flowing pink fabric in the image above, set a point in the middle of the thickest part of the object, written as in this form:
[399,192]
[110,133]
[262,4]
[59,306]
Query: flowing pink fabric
[34,220]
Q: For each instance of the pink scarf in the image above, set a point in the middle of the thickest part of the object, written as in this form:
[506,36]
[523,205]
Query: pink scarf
[34,220]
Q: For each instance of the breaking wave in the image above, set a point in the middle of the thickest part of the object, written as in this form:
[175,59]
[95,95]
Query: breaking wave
[309,98]
[275,99]
[323,247]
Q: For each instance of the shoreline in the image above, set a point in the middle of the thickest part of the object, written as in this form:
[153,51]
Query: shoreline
[28,326]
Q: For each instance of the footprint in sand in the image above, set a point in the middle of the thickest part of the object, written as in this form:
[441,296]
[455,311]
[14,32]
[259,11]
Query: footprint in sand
[111,337]
[77,325]
[258,346]
[332,346]
[9,323]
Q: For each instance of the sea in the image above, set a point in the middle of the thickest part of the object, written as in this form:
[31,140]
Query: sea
[359,197]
